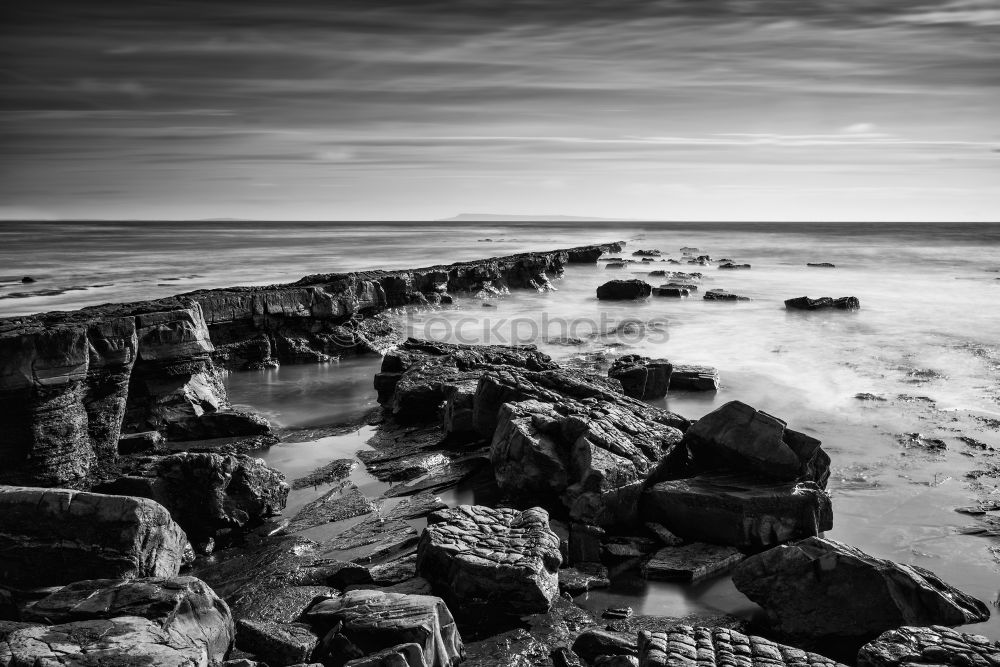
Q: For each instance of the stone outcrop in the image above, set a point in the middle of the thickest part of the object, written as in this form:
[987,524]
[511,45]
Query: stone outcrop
[823,303]
[687,377]
[687,646]
[495,561]
[745,511]
[723,295]
[184,605]
[624,290]
[371,621]
[56,536]
[125,640]
[69,381]
[209,495]
[642,377]
[935,645]
[738,437]
[821,589]
[276,644]
[690,562]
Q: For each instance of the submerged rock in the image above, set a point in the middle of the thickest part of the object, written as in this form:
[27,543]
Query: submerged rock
[723,295]
[732,265]
[642,377]
[185,605]
[647,253]
[57,536]
[495,561]
[690,562]
[823,303]
[936,645]
[821,265]
[624,290]
[687,377]
[673,290]
[819,588]
[373,621]
[687,646]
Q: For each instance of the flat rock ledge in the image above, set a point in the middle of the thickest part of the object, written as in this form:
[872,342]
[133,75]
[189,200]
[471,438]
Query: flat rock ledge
[687,646]
[493,560]
[936,645]
[810,590]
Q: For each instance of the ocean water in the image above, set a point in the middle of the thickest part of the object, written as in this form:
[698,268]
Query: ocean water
[926,343]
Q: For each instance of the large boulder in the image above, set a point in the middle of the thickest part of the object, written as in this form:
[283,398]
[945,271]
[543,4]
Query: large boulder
[491,560]
[737,437]
[179,604]
[688,377]
[209,494]
[687,646]
[591,456]
[372,621]
[821,589]
[125,640]
[622,290]
[936,645]
[642,377]
[745,511]
[55,536]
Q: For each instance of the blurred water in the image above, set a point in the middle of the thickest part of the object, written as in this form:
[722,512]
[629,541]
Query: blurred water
[927,339]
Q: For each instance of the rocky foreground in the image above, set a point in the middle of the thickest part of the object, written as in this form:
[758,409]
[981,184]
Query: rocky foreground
[167,550]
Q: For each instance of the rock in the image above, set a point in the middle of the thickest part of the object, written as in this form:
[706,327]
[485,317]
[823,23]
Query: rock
[627,547]
[936,645]
[744,511]
[209,493]
[584,543]
[731,265]
[687,646]
[126,640]
[646,253]
[140,443]
[376,620]
[616,661]
[220,424]
[339,503]
[497,561]
[820,588]
[332,472]
[723,295]
[615,265]
[184,605]
[642,377]
[372,540]
[562,656]
[672,291]
[591,457]
[737,437]
[624,289]
[694,378]
[690,562]
[277,644]
[823,303]
[593,643]
[48,537]
[821,265]
[404,655]
[582,578]
[613,613]
[27,280]
[664,535]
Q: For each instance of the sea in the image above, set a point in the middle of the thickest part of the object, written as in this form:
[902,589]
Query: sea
[904,393]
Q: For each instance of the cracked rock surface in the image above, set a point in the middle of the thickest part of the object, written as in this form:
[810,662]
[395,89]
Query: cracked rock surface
[688,646]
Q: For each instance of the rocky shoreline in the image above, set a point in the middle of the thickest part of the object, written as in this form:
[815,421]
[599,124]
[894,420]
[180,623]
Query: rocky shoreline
[164,546]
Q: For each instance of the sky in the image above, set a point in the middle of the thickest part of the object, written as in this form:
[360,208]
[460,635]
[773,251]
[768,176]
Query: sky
[369,110]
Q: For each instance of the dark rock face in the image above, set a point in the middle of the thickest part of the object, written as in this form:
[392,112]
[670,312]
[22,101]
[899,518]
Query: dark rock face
[723,295]
[185,605]
[209,493]
[687,646]
[48,537]
[276,643]
[646,253]
[731,265]
[936,645]
[820,588]
[591,455]
[624,290]
[126,640]
[140,443]
[496,561]
[823,303]
[694,378]
[372,621]
[673,290]
[594,643]
[27,280]
[821,265]
[737,437]
[745,511]
[642,377]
